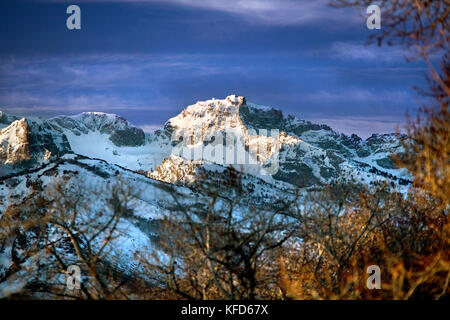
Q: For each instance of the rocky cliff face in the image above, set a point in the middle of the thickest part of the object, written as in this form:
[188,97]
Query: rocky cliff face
[25,143]
[15,143]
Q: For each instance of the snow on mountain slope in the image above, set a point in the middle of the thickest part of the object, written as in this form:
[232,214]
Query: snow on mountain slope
[136,158]
[213,131]
[113,139]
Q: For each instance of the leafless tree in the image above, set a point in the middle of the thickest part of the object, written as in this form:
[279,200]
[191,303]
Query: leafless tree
[72,223]
[219,246]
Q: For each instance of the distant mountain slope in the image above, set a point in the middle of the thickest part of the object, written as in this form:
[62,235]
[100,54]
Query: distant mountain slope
[120,131]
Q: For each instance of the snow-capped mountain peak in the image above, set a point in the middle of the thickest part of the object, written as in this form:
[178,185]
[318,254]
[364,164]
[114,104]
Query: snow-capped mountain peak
[210,115]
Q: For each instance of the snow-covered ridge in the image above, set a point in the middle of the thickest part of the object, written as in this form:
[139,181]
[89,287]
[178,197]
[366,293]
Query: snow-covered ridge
[92,121]
[120,131]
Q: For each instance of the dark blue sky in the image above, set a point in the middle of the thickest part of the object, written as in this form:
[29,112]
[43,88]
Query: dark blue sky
[148,59]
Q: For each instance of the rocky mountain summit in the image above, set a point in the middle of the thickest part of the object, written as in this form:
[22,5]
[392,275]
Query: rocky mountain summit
[306,153]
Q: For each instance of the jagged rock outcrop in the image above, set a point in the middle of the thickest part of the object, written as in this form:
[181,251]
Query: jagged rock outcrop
[176,170]
[15,143]
[24,143]
[44,138]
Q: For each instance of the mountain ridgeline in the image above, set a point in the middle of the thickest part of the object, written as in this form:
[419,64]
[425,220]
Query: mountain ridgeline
[307,154]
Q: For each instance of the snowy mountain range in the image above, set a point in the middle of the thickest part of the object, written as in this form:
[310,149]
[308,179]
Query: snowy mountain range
[307,153]
[97,148]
